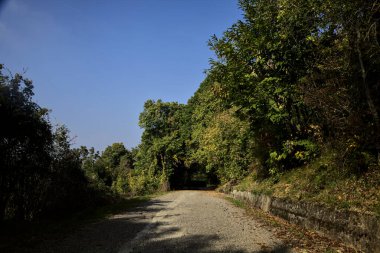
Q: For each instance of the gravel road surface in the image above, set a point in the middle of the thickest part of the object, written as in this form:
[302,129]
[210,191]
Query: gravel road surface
[180,221]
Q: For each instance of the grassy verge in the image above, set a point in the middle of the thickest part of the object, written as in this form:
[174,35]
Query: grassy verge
[323,182]
[236,202]
[23,237]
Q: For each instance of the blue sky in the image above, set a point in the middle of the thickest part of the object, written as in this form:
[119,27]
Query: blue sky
[95,62]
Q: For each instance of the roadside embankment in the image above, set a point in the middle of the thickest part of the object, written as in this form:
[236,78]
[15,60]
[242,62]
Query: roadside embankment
[360,230]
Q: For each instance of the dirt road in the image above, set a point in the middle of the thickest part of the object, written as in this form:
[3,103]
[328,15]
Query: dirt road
[181,221]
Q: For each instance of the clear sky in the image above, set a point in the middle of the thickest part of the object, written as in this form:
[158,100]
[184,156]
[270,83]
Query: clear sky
[95,62]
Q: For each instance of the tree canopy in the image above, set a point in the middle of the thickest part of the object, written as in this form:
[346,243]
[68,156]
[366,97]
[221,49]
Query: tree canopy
[289,80]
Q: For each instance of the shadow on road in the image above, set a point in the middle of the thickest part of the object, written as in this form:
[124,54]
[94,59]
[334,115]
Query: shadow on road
[113,234]
[196,243]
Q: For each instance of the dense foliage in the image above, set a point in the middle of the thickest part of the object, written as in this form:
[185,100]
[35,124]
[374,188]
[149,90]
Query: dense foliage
[40,174]
[290,79]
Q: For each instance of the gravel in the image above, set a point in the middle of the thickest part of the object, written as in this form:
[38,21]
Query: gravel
[180,221]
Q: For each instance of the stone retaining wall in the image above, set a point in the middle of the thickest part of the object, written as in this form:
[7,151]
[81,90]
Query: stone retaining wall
[359,230]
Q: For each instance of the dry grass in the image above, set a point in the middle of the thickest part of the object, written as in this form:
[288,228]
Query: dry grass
[299,239]
[323,182]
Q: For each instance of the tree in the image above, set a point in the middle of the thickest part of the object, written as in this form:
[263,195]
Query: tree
[260,62]
[25,143]
[161,152]
[68,188]
[40,174]
[89,158]
[110,170]
[347,65]
[110,160]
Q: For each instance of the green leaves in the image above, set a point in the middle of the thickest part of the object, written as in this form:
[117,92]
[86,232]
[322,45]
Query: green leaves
[162,150]
[261,61]
[40,174]
[285,78]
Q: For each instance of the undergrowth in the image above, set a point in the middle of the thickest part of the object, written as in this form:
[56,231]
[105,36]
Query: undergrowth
[322,181]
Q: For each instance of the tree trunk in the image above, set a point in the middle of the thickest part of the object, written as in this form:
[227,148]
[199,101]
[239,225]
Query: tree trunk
[2,210]
[165,186]
[370,102]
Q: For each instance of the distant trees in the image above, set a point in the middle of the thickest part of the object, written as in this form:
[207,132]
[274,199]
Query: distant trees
[68,189]
[160,156]
[110,169]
